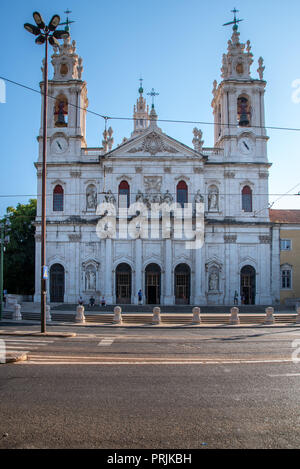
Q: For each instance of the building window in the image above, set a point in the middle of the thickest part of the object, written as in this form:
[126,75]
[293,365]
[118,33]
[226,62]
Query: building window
[58,199]
[124,189]
[247,199]
[285,245]
[286,279]
[182,193]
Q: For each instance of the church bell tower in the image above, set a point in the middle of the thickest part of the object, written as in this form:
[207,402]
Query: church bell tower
[238,104]
[67,103]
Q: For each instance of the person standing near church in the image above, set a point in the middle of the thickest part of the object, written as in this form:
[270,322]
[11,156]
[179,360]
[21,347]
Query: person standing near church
[140,297]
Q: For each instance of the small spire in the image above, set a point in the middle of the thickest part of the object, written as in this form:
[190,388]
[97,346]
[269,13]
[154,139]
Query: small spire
[140,112]
[235,20]
[141,89]
[67,22]
[153,94]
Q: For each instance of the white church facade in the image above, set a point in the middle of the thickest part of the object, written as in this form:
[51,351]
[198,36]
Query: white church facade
[240,252]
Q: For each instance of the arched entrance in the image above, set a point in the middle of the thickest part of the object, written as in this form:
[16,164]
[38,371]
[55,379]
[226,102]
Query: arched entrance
[152,284]
[248,285]
[123,283]
[182,284]
[57,283]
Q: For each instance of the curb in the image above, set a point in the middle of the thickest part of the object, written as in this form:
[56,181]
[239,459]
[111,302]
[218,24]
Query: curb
[16,357]
[134,326]
[39,334]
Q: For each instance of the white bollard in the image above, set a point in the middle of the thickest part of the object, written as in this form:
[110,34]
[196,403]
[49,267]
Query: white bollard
[156,315]
[196,315]
[16,316]
[298,316]
[269,315]
[234,318]
[48,313]
[80,317]
[117,315]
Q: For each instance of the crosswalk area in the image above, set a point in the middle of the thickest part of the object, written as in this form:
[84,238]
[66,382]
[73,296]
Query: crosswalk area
[24,344]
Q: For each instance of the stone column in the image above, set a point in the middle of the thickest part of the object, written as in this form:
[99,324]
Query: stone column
[108,271]
[138,271]
[168,295]
[199,297]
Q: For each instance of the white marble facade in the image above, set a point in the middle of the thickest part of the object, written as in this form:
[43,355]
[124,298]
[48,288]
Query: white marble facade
[240,249]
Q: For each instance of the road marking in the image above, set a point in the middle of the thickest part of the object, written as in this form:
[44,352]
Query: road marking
[14,347]
[67,360]
[106,342]
[285,375]
[34,342]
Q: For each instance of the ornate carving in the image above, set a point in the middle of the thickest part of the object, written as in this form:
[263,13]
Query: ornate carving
[229,174]
[197,140]
[38,238]
[138,169]
[230,239]
[213,199]
[152,184]
[265,239]
[213,279]
[74,237]
[261,69]
[91,198]
[109,197]
[198,170]
[153,144]
[75,173]
[108,169]
[198,197]
[167,169]
[263,175]
[167,198]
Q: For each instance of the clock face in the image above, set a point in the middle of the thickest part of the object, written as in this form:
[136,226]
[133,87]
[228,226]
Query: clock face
[246,146]
[59,145]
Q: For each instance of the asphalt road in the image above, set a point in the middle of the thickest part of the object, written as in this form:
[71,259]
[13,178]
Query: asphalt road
[152,388]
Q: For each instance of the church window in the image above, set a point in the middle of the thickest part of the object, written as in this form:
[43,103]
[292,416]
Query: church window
[124,189]
[58,199]
[243,111]
[247,199]
[61,111]
[182,193]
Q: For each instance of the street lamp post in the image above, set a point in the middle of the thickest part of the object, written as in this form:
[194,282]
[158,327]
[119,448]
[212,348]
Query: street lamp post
[45,34]
[4,239]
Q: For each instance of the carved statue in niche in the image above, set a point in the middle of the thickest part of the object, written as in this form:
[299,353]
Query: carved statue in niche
[213,280]
[168,198]
[198,197]
[109,197]
[213,199]
[139,197]
[90,280]
[91,198]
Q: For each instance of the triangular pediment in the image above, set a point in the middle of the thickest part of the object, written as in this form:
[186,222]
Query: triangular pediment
[152,143]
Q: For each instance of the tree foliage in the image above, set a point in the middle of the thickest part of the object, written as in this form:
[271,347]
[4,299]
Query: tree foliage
[19,256]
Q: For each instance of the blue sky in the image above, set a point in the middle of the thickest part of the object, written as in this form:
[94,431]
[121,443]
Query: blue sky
[177,47]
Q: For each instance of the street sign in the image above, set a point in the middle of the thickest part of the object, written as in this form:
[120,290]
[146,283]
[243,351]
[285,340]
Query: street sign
[45,272]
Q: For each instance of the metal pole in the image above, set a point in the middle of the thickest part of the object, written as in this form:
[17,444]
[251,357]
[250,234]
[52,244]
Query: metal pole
[1,271]
[43,244]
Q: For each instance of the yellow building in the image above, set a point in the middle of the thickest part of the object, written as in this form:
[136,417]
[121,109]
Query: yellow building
[288,222]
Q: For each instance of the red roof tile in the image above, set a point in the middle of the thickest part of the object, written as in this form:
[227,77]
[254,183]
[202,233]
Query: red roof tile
[284,216]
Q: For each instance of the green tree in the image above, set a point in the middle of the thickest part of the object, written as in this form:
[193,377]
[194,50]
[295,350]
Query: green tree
[19,257]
